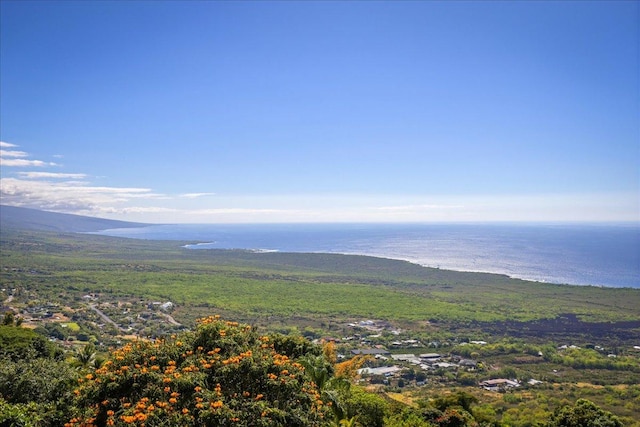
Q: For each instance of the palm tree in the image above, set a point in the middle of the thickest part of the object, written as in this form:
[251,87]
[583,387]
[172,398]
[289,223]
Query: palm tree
[351,422]
[332,389]
[86,357]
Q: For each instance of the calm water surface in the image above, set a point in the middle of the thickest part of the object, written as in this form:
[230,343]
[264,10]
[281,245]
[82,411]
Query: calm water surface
[603,255]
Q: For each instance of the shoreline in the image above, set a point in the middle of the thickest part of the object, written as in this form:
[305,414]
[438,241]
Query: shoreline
[531,252]
[195,246]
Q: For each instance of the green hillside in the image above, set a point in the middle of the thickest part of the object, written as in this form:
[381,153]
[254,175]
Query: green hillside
[86,290]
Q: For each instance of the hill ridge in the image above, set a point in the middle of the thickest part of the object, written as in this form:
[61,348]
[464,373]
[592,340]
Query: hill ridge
[35,219]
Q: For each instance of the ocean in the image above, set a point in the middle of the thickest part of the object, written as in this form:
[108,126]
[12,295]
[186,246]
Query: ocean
[600,255]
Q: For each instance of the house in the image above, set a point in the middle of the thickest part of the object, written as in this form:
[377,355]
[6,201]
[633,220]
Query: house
[369,351]
[444,365]
[384,370]
[498,384]
[166,306]
[430,357]
[468,363]
[411,358]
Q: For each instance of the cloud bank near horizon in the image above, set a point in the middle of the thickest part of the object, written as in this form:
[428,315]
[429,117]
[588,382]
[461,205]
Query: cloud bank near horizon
[74,192]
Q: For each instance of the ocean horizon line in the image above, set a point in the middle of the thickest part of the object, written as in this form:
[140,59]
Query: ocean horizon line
[576,254]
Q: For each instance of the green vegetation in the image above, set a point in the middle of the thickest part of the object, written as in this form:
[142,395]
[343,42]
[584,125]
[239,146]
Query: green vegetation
[83,295]
[228,374]
[583,414]
[317,286]
[35,383]
[221,374]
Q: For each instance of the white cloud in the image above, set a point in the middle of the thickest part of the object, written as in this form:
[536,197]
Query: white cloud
[241,211]
[69,196]
[12,153]
[69,192]
[15,158]
[73,193]
[52,175]
[196,195]
[414,208]
[24,162]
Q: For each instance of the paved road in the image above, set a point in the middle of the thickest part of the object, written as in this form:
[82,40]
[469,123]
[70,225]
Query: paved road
[105,317]
[170,319]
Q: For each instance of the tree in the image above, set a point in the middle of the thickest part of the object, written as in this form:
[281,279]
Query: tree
[8,318]
[583,414]
[35,388]
[221,374]
[368,408]
[86,357]
[39,380]
[334,390]
[460,398]
[21,343]
[406,418]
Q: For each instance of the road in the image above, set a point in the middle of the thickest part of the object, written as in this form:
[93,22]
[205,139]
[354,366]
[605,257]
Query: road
[105,317]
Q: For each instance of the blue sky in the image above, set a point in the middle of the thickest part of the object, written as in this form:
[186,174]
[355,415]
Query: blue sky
[322,111]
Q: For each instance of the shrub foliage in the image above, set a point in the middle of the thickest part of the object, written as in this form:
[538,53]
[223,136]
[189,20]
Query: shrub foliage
[222,374]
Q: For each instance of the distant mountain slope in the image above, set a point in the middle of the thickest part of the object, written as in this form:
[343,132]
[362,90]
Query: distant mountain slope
[33,219]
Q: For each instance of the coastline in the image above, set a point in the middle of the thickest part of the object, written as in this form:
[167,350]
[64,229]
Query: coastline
[576,255]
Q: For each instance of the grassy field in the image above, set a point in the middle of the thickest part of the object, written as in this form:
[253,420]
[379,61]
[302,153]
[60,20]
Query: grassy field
[280,284]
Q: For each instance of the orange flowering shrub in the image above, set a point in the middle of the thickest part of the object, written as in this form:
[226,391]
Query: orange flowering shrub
[222,374]
[349,368]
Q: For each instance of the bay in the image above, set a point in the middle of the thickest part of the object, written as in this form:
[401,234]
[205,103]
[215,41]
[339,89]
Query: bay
[577,254]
